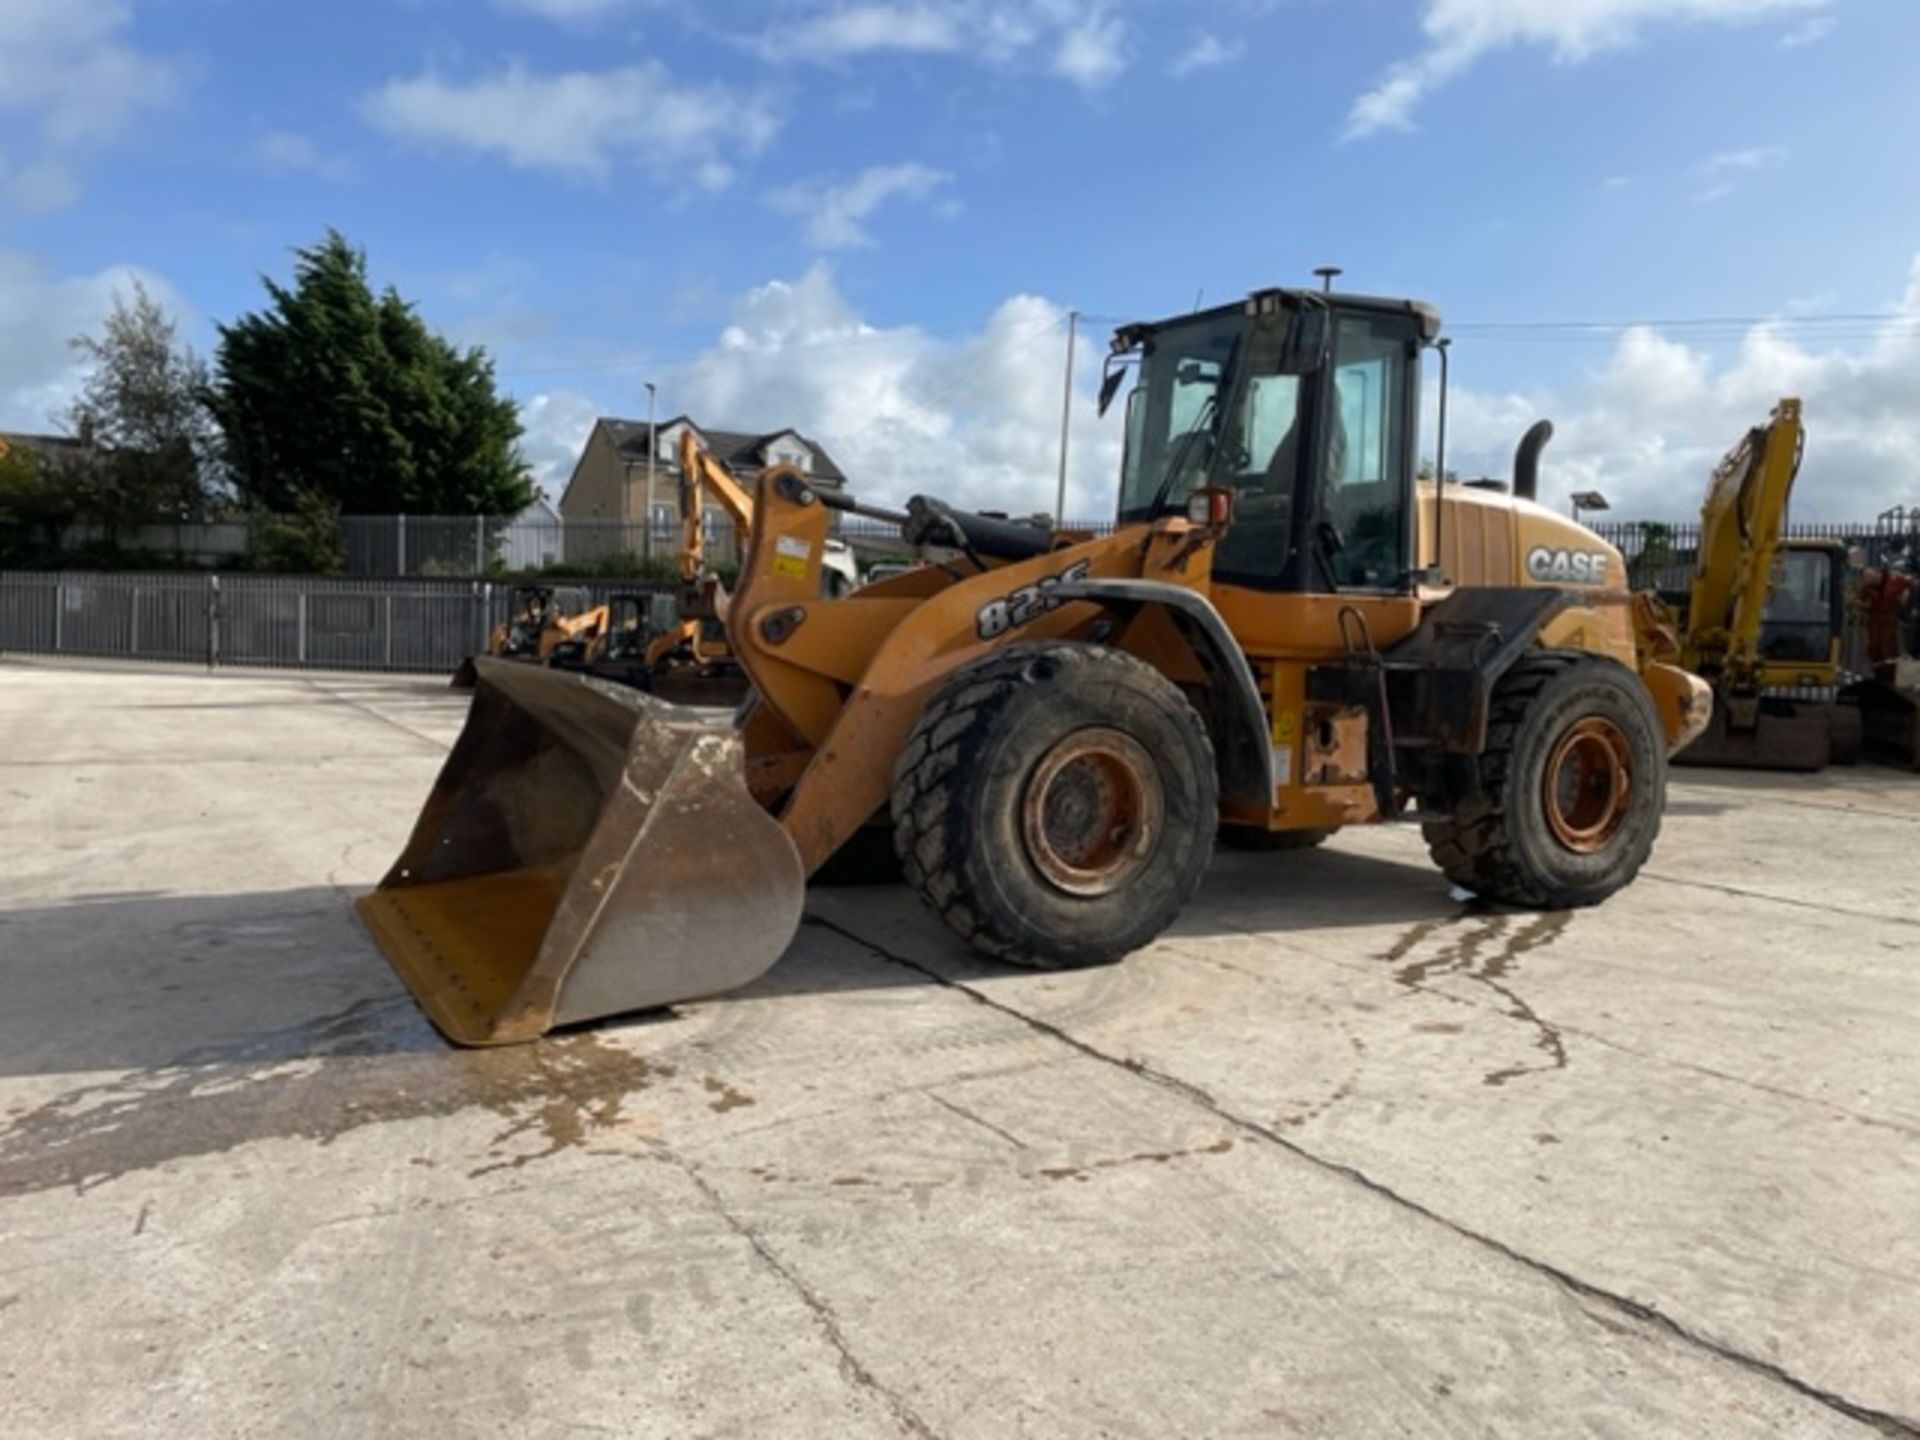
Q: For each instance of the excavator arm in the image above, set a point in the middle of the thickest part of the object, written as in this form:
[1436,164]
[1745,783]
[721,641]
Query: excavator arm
[1740,536]
[702,597]
[701,475]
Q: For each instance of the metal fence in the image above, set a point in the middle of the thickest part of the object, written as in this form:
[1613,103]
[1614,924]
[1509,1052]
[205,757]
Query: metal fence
[411,625]
[468,545]
[473,545]
[1661,554]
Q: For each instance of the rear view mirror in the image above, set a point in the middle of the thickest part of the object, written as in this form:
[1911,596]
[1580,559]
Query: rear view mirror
[1110,384]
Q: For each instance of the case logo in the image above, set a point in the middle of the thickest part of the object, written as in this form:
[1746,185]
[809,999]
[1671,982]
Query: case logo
[1566,567]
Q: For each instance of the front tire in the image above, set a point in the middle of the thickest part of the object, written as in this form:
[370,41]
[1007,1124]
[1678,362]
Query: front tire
[1572,785]
[1056,803]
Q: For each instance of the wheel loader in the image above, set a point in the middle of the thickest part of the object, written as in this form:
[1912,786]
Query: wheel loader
[1763,619]
[540,618]
[1284,634]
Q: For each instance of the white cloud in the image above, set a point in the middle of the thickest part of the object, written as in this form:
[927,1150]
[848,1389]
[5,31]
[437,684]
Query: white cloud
[1206,51]
[1759,157]
[287,152]
[1084,41]
[1808,32]
[835,215]
[67,69]
[40,314]
[1459,32]
[860,29]
[974,420]
[1647,427]
[1092,50]
[582,123]
[1720,167]
[555,425]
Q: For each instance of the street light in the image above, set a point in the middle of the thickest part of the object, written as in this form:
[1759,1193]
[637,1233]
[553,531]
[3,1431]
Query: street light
[1588,500]
[646,517]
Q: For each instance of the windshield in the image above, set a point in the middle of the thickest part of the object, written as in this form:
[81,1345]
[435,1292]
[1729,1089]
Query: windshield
[1208,409]
[1798,622]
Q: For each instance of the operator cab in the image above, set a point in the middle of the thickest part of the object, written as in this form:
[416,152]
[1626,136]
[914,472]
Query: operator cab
[1305,406]
[1806,609]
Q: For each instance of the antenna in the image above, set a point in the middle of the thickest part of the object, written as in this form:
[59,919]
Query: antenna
[1328,274]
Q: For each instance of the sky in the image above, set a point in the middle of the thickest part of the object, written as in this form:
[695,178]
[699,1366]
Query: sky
[867,219]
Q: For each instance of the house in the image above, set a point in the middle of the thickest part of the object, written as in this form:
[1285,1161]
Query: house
[534,537]
[613,481]
[47,450]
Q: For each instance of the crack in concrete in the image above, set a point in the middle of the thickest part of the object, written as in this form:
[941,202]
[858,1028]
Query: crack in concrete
[852,1369]
[966,1114]
[1744,894]
[331,697]
[1886,1422]
[1575,1031]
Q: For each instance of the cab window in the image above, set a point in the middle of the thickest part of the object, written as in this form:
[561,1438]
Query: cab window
[1366,495]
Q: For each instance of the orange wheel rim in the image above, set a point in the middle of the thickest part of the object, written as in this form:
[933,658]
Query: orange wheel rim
[1092,812]
[1589,784]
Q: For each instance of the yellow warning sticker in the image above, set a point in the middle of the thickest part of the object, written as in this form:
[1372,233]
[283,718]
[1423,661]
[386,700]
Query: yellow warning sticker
[1283,727]
[791,555]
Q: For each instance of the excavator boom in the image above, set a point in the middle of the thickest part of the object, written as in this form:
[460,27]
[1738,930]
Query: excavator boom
[1747,623]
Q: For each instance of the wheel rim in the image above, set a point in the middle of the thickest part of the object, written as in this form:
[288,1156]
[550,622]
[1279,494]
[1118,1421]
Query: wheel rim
[1092,810]
[1589,784]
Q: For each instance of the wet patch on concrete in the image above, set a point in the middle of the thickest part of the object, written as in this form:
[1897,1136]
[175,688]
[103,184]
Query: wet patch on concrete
[374,1062]
[725,1097]
[1486,948]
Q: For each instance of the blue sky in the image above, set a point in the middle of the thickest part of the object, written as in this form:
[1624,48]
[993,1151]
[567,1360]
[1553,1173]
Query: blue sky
[867,218]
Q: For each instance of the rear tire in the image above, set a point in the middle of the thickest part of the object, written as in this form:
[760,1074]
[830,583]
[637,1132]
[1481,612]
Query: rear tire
[1572,785]
[1056,803]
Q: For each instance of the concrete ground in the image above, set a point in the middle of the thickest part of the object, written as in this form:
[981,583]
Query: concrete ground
[1335,1157]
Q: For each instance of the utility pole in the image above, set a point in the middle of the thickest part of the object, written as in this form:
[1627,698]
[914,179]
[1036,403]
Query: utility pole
[1066,420]
[646,520]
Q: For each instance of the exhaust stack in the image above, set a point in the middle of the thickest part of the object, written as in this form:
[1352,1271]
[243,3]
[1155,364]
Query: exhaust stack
[1526,460]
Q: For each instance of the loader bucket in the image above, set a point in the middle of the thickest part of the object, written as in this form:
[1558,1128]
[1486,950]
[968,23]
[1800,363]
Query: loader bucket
[586,851]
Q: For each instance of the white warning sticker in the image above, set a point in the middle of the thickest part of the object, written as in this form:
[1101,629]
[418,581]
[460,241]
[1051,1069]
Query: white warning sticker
[1282,765]
[792,545]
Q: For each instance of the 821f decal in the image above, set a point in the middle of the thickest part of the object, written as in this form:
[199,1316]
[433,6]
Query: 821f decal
[1026,604]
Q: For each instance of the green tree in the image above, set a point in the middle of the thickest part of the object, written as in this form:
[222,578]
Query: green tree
[334,394]
[150,444]
[33,508]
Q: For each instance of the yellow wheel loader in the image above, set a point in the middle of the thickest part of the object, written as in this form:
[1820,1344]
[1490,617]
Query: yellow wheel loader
[1764,619]
[1284,634]
[540,619]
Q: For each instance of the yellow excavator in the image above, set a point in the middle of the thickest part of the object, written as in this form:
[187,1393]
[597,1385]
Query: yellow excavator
[1285,633]
[1764,618]
[540,619]
[689,658]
